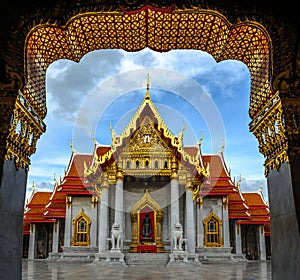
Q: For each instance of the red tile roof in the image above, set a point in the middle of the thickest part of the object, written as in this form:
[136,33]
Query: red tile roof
[34,211]
[258,209]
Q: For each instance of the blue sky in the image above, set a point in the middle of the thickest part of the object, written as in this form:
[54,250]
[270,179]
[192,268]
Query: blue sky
[109,85]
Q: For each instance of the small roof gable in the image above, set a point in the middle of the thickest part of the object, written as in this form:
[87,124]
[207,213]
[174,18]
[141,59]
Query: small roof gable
[76,164]
[34,211]
[258,209]
[217,165]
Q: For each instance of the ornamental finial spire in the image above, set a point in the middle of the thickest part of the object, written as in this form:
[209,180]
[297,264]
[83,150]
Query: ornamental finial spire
[147,96]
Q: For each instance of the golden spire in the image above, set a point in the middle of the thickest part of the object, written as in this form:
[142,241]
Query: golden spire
[261,188]
[222,147]
[147,96]
[33,186]
[71,145]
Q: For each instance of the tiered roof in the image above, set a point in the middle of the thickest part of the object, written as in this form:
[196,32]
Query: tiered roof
[34,211]
[219,182]
[258,209]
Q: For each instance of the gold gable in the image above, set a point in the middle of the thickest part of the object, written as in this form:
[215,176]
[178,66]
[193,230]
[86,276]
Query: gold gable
[147,147]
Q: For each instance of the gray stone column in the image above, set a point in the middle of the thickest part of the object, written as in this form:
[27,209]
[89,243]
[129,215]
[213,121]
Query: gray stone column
[238,238]
[226,237]
[285,238]
[68,222]
[12,198]
[200,229]
[262,243]
[55,236]
[103,223]
[190,226]
[174,203]
[32,242]
[119,202]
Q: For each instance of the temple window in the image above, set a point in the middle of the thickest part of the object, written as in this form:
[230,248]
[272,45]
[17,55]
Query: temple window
[128,164]
[147,138]
[156,164]
[212,231]
[166,164]
[81,235]
[146,163]
[137,164]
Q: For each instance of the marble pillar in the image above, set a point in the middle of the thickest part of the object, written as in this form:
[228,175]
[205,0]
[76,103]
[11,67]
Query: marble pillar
[103,223]
[226,237]
[32,242]
[119,200]
[199,225]
[12,198]
[174,203]
[238,238]
[68,222]
[262,243]
[55,237]
[283,186]
[190,226]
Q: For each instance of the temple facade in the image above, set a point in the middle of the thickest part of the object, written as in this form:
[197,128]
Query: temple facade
[147,193]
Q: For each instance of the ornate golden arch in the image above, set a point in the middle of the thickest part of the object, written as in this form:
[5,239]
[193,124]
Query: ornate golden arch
[212,217]
[146,201]
[75,239]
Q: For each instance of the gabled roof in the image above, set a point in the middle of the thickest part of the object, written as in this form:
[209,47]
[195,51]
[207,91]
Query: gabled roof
[219,183]
[74,181]
[258,209]
[237,206]
[34,211]
[146,109]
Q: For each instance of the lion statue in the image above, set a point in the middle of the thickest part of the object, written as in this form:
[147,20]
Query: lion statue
[178,236]
[116,234]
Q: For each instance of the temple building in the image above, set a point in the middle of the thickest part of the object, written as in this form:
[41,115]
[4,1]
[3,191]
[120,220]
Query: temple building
[147,193]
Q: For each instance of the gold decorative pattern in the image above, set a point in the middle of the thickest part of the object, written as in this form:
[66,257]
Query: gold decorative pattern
[274,128]
[146,201]
[146,148]
[160,30]
[81,232]
[213,231]
[25,129]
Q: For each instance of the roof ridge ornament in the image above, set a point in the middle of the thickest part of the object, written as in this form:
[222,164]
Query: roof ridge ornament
[147,95]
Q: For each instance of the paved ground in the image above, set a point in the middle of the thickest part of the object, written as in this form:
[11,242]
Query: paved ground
[44,270]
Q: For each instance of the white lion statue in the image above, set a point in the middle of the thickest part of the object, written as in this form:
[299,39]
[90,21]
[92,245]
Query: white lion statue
[178,236]
[116,235]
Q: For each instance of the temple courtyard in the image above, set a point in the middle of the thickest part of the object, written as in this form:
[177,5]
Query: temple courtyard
[43,269]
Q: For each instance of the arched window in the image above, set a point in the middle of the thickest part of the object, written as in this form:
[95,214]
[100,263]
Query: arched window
[166,164]
[128,164]
[147,163]
[137,164]
[156,164]
[81,235]
[212,231]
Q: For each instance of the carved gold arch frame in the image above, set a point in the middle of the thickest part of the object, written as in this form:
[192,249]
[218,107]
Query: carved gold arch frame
[160,29]
[87,220]
[146,201]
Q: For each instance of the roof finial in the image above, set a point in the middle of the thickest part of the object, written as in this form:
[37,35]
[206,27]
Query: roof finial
[33,186]
[261,188]
[200,139]
[94,140]
[71,145]
[222,147]
[147,96]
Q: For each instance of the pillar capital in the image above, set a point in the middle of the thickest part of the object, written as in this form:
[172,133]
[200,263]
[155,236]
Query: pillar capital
[25,128]
[188,184]
[277,129]
[120,174]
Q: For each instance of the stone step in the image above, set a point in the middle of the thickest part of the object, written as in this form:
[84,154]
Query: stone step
[135,259]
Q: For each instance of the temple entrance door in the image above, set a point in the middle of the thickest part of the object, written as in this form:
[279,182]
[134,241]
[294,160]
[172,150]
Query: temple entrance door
[146,224]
